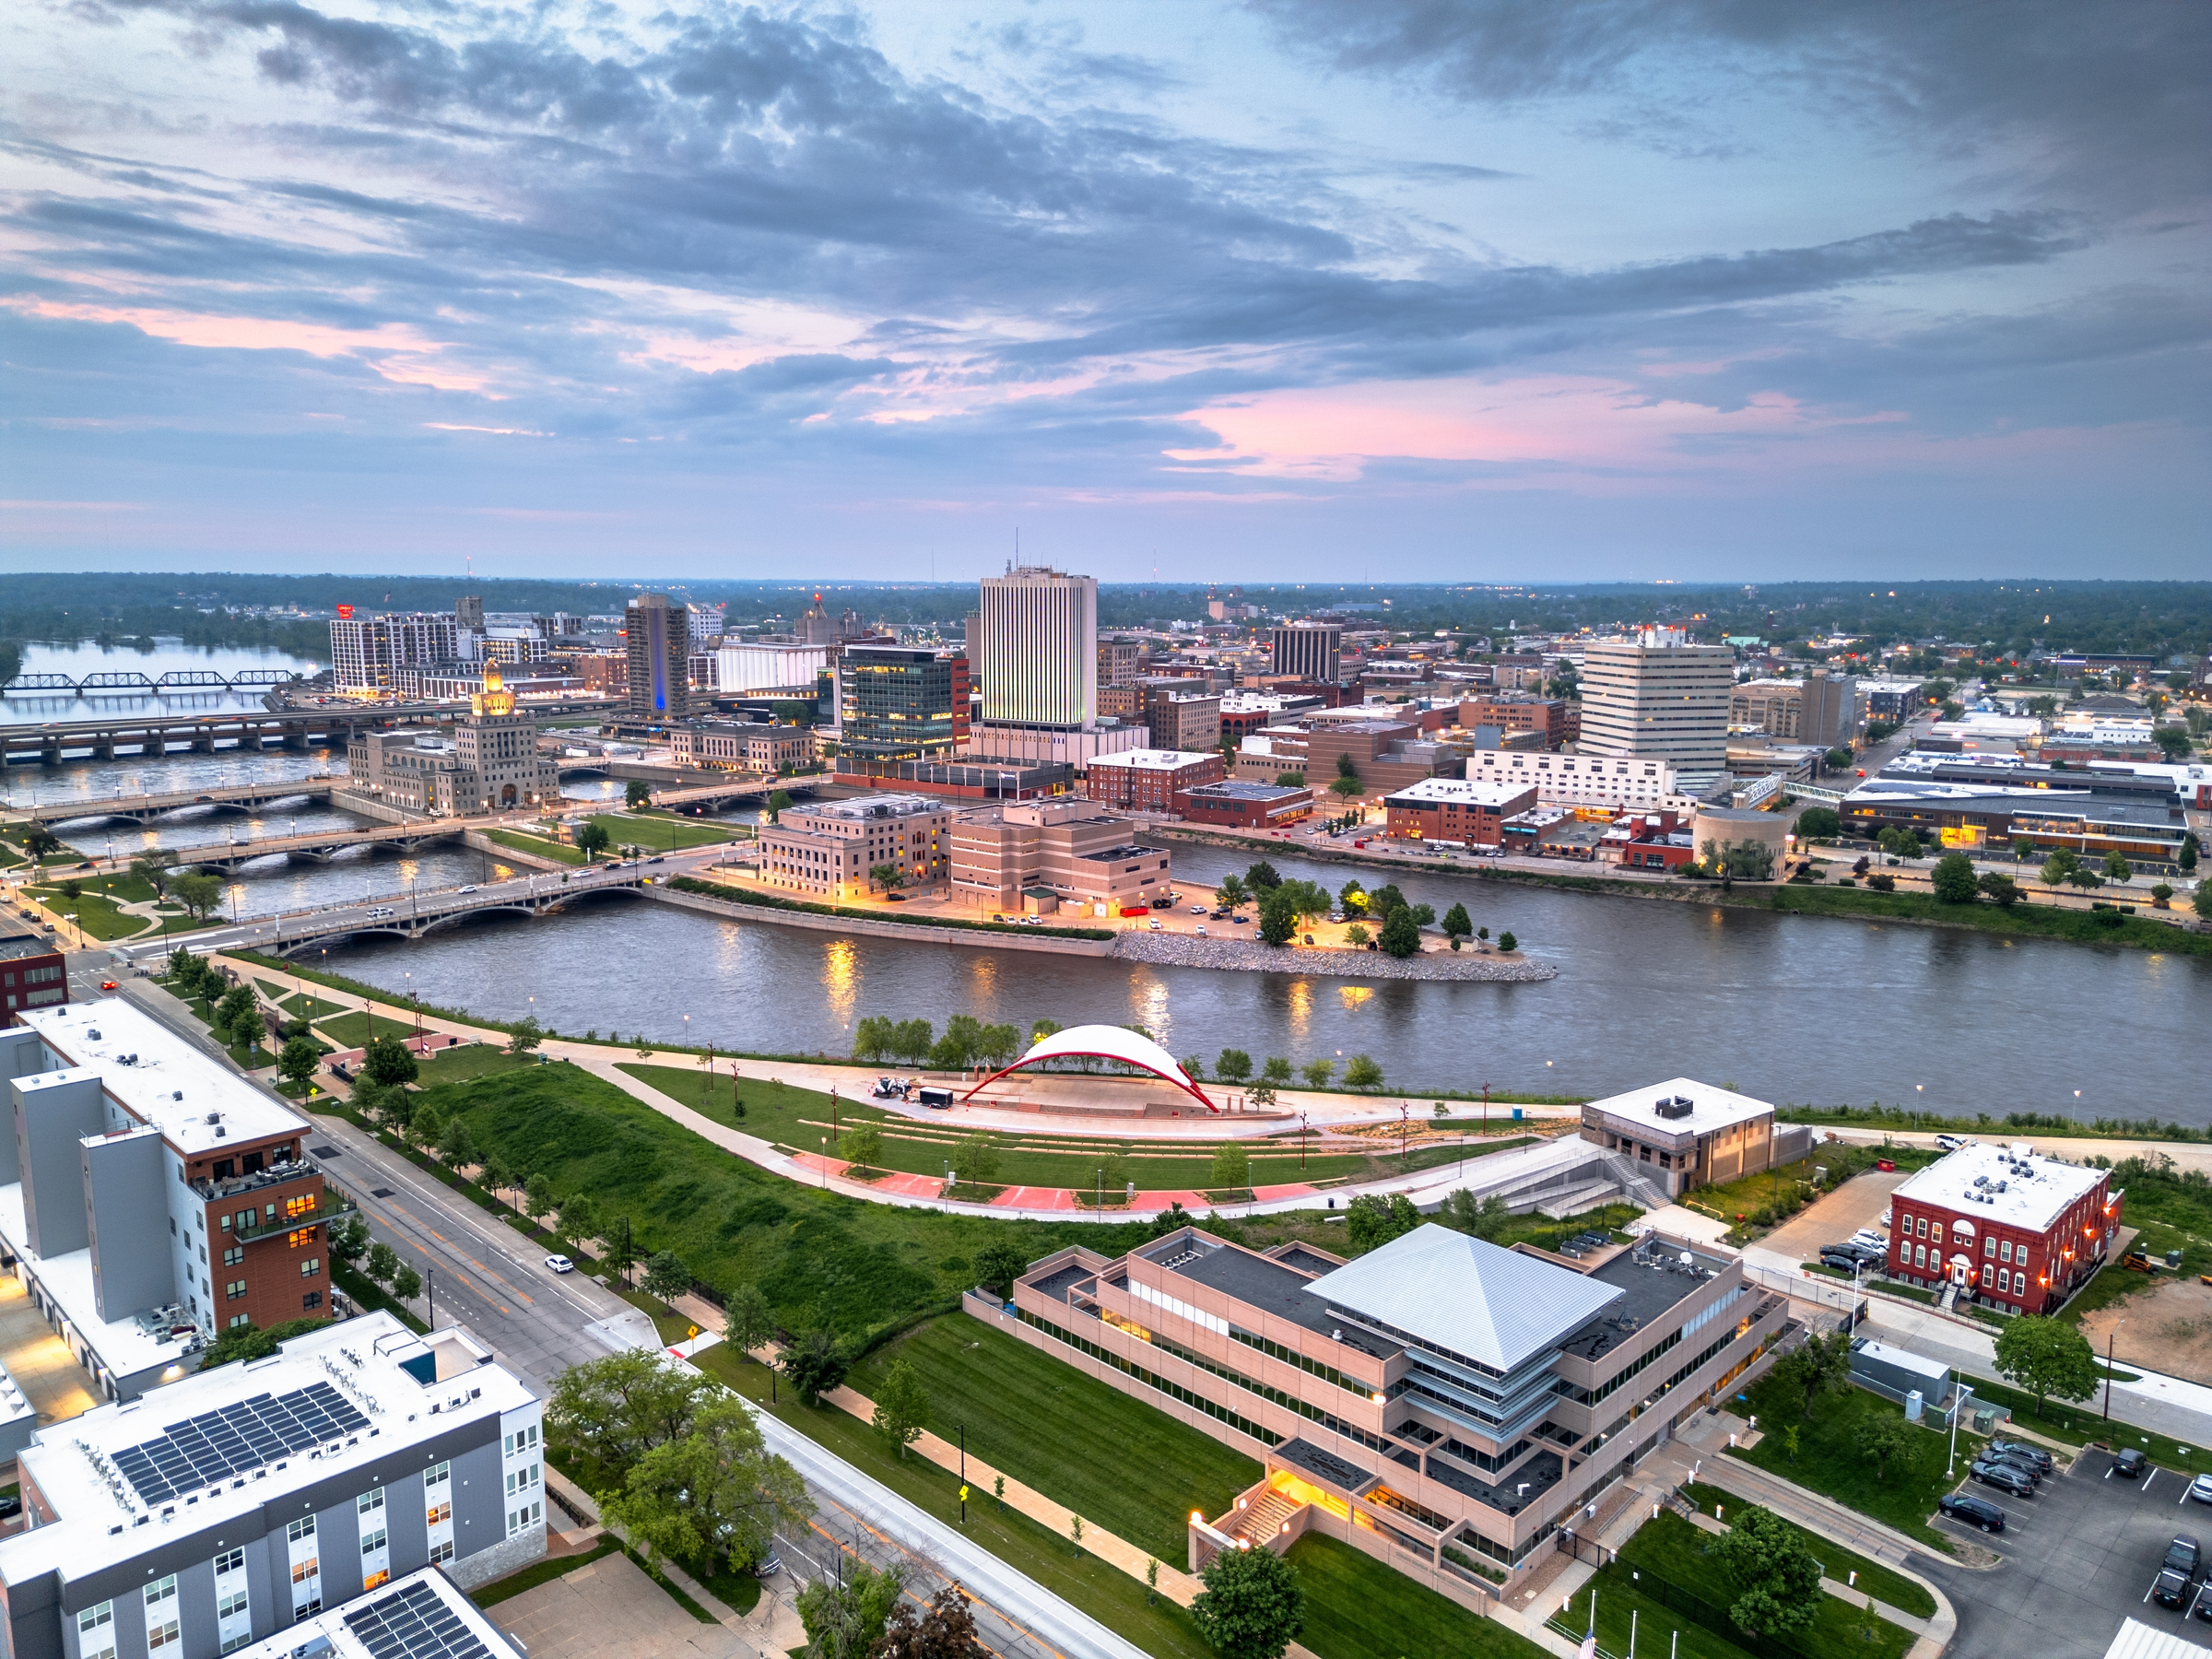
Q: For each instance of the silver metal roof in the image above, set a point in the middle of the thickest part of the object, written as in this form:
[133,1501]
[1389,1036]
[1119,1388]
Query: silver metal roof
[1468,1296]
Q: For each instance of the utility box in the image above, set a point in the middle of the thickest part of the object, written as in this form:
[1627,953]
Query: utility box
[1915,1407]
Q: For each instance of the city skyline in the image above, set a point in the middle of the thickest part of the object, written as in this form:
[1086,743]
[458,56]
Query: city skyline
[1292,290]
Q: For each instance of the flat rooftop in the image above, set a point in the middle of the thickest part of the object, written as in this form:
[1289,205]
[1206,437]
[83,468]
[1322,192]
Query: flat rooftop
[1994,1183]
[1466,1296]
[1149,760]
[1268,1285]
[1711,1107]
[1651,1279]
[422,1616]
[159,1079]
[865,807]
[1466,792]
[221,1444]
[125,1346]
[18,943]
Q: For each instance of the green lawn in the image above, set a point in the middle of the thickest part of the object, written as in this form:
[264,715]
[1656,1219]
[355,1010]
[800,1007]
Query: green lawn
[665,832]
[543,1572]
[1075,1439]
[1670,1547]
[1659,1629]
[469,1062]
[1828,1463]
[350,1029]
[1107,1594]
[1884,1583]
[305,1004]
[2076,1423]
[521,843]
[1359,1608]
[798,1117]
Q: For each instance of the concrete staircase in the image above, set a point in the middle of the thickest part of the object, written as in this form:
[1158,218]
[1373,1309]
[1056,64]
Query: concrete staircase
[1262,1519]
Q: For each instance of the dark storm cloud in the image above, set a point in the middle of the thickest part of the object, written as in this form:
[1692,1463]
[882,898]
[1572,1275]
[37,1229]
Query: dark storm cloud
[2110,97]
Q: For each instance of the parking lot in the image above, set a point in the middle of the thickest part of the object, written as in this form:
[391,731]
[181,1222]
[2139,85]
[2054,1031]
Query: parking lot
[2078,1558]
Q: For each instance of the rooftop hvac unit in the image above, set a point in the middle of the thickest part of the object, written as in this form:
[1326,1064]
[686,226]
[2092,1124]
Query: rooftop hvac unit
[1678,1107]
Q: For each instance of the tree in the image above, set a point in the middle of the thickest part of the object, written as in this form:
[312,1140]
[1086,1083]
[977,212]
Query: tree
[816,1365]
[1883,1439]
[538,1198]
[713,1498]
[886,875]
[778,804]
[862,1144]
[915,1039]
[637,793]
[1772,1564]
[975,1159]
[902,1407]
[153,868]
[1279,917]
[1456,924]
[592,839]
[299,1061]
[1507,941]
[1317,1073]
[2174,740]
[406,1284]
[2116,867]
[2202,903]
[1261,877]
[524,1035]
[873,1039]
[2187,858]
[1232,1166]
[1820,1365]
[456,1146]
[850,1621]
[746,1320]
[1370,1220]
[998,1265]
[237,1004]
[40,841]
[495,1174]
[383,1262]
[1401,934]
[1953,879]
[943,1628]
[1361,1072]
[1276,1070]
[1234,1067]
[388,1061]
[998,1043]
[2058,866]
[350,1242]
[1042,1028]
[2046,1357]
[1231,893]
[198,893]
[1252,1606]
[666,1278]
[1351,895]
[609,1413]
[1383,900]
[1481,1217]
[580,1219]
[1357,935]
[250,1342]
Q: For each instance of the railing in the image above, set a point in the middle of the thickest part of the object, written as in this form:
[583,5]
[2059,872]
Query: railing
[255,1180]
[333,1208]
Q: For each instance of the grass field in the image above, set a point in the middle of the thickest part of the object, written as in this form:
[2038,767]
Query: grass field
[521,843]
[1072,1438]
[350,1029]
[1620,1606]
[798,1117]
[665,832]
[1107,1594]
[1828,1463]
[1671,1548]
[467,1063]
[1359,1608]
[302,1004]
[1884,1583]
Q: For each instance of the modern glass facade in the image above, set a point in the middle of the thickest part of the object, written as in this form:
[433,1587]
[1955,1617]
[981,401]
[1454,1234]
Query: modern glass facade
[897,703]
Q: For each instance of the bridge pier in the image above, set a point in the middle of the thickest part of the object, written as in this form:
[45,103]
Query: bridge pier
[296,742]
[105,748]
[50,752]
[203,743]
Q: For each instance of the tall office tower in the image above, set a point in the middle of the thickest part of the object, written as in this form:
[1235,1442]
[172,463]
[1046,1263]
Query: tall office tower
[1656,695]
[1039,664]
[1119,661]
[902,702]
[366,650]
[659,637]
[468,611]
[1309,649]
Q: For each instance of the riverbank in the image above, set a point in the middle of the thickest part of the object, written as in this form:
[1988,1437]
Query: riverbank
[2177,937]
[1178,951]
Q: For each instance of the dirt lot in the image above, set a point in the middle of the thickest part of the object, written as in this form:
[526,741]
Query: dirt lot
[2168,1328]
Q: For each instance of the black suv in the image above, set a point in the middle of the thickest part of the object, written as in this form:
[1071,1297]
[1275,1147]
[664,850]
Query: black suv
[2005,1478]
[2172,1590]
[2130,1464]
[2016,1459]
[1974,1510]
[2021,1451]
[2183,1556]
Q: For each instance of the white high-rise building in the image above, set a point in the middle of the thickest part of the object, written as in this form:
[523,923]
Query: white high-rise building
[1039,653]
[1656,695]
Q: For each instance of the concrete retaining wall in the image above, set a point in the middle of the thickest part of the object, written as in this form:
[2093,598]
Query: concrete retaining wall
[915,931]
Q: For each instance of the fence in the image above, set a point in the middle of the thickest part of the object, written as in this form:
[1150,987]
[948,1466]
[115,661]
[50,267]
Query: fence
[1698,1610]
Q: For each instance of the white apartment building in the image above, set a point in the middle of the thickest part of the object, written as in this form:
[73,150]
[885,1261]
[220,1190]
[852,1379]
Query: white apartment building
[1656,696]
[1038,662]
[1597,781]
[751,670]
[366,651]
[243,1501]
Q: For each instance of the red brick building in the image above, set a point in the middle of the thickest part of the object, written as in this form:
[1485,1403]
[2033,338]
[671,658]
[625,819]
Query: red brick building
[32,974]
[1549,717]
[2014,1230]
[1149,779]
[1455,812]
[1244,805]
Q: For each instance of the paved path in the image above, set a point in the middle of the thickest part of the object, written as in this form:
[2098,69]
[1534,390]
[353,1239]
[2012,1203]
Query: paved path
[611,1610]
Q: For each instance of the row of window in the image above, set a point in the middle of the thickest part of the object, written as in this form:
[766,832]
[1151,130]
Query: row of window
[1590,1396]
[1313,1368]
[1266,1437]
[1274,1396]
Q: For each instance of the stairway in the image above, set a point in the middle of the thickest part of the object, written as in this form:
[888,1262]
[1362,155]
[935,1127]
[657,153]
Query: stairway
[1261,1521]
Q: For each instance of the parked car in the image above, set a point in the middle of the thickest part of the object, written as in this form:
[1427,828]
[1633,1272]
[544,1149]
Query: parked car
[2004,1477]
[2130,1464]
[2170,1590]
[1951,1143]
[2185,1555]
[2201,1488]
[1200,930]
[1872,1240]
[1972,1511]
[2017,1460]
[2021,1449]
[561,1263]
[11,1507]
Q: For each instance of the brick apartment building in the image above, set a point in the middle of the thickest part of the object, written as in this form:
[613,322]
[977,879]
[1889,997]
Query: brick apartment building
[152,1199]
[827,849]
[1439,1397]
[2016,1231]
[1388,755]
[1182,716]
[1038,855]
[1148,780]
[33,973]
[1245,806]
[1453,812]
[1551,718]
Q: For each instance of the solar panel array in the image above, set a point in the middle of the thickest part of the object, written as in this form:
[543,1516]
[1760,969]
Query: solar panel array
[252,1434]
[413,1623]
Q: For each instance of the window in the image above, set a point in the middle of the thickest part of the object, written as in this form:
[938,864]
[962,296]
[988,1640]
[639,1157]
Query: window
[520,1442]
[299,1205]
[303,1571]
[311,1266]
[161,1626]
[2005,1251]
[374,1541]
[230,1604]
[522,1480]
[442,1553]
[311,1301]
[1989,1247]
[298,1237]
[235,1257]
[437,1514]
[96,1631]
[236,1320]
[302,1528]
[231,1561]
[528,1515]
[371,1502]
[234,1289]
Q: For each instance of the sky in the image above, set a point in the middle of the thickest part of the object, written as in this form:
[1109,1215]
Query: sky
[1231,289]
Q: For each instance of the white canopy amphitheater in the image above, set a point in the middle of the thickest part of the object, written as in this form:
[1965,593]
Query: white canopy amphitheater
[1105,1042]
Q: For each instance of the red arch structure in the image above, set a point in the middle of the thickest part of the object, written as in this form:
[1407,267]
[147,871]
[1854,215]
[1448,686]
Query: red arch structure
[1105,1043]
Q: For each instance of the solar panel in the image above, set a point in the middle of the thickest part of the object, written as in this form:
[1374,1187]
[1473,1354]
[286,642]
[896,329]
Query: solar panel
[249,1434]
[414,1622]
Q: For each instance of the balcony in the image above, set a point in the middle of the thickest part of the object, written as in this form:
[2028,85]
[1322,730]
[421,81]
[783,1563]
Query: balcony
[238,1186]
[335,1206]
